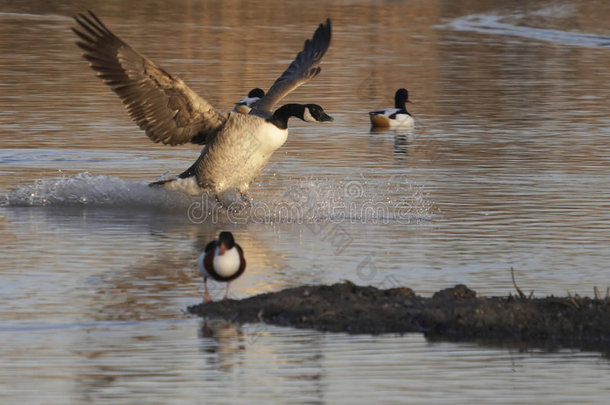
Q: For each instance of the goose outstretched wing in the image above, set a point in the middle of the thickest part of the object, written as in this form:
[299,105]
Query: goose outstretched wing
[161,104]
[302,69]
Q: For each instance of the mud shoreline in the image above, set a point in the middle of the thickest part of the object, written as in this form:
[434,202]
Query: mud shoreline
[455,314]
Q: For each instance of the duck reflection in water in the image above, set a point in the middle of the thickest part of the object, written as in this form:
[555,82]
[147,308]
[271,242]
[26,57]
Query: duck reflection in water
[223,340]
[403,138]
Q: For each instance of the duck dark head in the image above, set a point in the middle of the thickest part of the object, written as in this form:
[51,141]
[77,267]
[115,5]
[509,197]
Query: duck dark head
[401,97]
[225,241]
[256,92]
[306,112]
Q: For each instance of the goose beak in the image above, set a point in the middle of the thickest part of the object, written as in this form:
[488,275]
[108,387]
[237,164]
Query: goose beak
[409,101]
[326,117]
[223,248]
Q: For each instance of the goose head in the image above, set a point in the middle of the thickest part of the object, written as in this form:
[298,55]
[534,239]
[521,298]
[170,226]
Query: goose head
[306,112]
[314,113]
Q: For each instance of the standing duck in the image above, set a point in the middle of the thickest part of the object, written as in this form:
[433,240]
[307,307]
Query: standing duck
[223,260]
[244,105]
[237,146]
[397,117]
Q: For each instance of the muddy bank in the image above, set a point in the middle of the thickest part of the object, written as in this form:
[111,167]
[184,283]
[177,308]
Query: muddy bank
[454,313]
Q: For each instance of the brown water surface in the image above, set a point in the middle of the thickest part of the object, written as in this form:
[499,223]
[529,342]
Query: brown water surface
[508,165]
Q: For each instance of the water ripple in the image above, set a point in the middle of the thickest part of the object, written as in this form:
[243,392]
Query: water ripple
[491,24]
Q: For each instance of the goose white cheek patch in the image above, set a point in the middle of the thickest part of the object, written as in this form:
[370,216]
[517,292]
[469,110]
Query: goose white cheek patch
[308,117]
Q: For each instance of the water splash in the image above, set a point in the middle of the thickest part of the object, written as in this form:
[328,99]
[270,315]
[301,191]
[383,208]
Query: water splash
[357,200]
[84,189]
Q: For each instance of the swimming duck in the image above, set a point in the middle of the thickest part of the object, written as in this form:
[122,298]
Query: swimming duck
[237,146]
[245,104]
[223,260]
[394,117]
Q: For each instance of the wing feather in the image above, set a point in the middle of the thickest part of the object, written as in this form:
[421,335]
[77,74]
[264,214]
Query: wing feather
[303,68]
[161,104]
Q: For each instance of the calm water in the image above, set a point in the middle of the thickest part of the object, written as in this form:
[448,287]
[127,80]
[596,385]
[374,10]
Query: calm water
[508,166]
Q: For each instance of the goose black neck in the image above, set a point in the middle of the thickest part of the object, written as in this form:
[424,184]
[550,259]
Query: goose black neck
[281,115]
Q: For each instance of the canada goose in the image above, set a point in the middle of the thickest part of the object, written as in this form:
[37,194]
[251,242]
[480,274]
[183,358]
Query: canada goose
[245,104]
[237,146]
[394,117]
[223,260]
